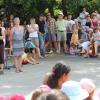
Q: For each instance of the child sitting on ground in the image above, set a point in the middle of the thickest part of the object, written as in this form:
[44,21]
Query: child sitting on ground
[73,49]
[29,52]
[27,58]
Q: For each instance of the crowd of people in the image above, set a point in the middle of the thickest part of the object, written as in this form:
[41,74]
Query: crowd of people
[47,35]
[29,42]
[58,85]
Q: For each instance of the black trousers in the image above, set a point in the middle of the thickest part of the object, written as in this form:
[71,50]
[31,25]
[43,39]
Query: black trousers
[69,36]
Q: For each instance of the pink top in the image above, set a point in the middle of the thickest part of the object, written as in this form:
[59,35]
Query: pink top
[95,22]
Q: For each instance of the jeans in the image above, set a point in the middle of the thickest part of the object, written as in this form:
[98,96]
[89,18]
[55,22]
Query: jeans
[42,44]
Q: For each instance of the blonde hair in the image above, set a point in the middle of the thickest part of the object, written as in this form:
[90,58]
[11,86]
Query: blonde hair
[16,19]
[32,20]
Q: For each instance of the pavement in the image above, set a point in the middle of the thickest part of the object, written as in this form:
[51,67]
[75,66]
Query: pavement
[32,77]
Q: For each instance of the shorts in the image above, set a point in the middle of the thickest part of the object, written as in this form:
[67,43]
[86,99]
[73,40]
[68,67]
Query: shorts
[61,36]
[97,41]
[35,41]
[51,37]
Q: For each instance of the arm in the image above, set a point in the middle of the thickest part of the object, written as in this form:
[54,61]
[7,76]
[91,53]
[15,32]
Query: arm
[3,36]
[11,38]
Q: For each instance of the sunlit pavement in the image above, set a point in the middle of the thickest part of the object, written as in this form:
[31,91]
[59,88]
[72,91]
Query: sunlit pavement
[31,78]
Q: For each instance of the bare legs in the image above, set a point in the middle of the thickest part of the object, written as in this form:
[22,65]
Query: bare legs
[59,47]
[18,63]
[96,45]
[51,44]
[1,68]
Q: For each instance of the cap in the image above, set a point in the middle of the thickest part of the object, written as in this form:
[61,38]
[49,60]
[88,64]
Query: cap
[88,85]
[49,14]
[74,90]
[61,14]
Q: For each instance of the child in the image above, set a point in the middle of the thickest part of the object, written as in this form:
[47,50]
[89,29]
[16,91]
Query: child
[74,39]
[29,51]
[73,49]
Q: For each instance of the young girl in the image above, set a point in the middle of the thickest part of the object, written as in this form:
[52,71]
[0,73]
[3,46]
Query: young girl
[73,49]
[60,74]
[74,39]
[28,56]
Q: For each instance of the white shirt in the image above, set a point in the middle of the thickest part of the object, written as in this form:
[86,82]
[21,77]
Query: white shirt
[70,23]
[34,33]
[83,14]
[3,29]
[96,36]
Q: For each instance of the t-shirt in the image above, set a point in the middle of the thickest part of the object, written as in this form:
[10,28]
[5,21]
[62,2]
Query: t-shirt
[41,25]
[61,25]
[83,22]
[83,14]
[34,33]
[96,36]
[70,23]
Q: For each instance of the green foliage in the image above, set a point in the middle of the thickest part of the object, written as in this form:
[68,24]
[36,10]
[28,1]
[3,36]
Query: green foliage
[26,9]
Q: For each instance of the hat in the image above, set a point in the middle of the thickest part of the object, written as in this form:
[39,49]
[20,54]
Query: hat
[88,85]
[61,14]
[74,90]
[49,14]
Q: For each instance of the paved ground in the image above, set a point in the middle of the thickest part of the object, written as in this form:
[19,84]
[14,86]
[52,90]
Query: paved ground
[32,76]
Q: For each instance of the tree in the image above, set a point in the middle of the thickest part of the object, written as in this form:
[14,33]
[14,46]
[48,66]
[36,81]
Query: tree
[26,9]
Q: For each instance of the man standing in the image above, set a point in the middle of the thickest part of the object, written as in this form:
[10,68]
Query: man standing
[70,23]
[41,24]
[61,26]
[51,35]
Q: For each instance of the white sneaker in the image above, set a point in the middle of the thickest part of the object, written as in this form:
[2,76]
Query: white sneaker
[58,51]
[41,57]
[50,51]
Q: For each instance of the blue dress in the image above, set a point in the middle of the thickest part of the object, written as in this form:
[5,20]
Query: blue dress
[18,45]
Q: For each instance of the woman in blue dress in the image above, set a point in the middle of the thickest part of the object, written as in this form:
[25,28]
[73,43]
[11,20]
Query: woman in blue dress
[17,44]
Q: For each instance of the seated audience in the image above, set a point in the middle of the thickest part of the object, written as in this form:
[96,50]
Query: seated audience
[53,95]
[96,39]
[74,90]
[89,86]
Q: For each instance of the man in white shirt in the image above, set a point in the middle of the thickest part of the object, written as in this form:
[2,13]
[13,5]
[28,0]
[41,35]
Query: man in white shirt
[70,24]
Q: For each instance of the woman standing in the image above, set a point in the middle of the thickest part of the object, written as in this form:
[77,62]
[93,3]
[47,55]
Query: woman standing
[33,35]
[18,45]
[2,37]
